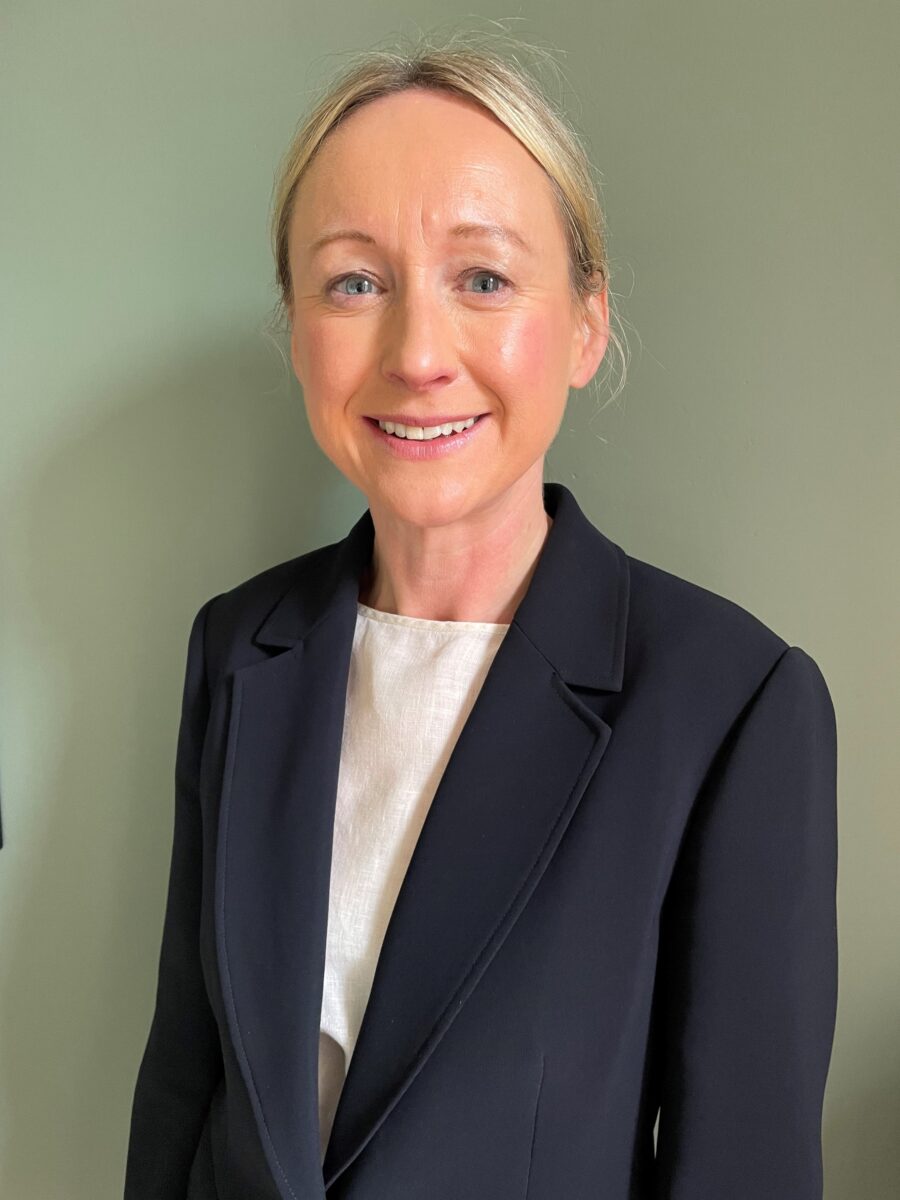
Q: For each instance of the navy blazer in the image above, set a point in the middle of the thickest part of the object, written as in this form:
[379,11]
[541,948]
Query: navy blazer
[621,906]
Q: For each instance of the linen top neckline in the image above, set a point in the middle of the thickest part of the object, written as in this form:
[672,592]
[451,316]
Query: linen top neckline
[425,624]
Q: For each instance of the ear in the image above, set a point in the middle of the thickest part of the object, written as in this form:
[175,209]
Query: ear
[590,339]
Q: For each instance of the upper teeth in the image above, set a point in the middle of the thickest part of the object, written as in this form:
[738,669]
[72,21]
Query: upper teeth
[425,432]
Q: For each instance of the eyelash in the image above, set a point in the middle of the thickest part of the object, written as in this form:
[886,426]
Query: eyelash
[476,271]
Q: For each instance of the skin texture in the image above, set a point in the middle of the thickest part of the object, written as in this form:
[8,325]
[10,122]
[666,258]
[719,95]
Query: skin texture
[434,324]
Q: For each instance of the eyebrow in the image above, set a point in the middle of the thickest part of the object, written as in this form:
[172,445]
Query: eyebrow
[464,229]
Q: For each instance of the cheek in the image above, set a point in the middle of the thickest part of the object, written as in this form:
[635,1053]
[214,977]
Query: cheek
[325,355]
[324,370]
[532,363]
[535,349]
[523,349]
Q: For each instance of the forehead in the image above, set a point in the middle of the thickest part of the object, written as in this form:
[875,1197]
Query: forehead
[422,160]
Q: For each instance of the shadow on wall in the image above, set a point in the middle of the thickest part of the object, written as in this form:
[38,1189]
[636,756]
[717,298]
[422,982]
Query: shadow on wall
[186,483]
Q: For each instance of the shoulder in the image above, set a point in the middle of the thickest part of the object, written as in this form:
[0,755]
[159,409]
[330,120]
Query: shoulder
[233,617]
[677,615]
[706,655]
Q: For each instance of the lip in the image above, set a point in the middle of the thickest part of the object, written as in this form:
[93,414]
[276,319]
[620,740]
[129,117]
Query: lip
[438,447]
[423,422]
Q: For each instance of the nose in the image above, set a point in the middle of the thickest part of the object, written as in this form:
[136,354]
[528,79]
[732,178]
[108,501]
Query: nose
[419,339]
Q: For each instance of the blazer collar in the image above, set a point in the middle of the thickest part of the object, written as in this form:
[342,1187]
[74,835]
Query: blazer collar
[476,862]
[575,610]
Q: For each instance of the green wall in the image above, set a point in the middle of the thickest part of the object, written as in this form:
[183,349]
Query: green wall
[154,451]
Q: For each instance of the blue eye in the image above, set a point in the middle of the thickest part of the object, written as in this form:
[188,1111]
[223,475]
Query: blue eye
[490,275]
[343,279]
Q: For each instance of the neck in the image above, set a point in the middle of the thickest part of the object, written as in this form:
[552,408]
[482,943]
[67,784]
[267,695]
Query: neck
[475,569]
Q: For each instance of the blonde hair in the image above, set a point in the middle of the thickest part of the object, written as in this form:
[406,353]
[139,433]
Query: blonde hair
[501,86]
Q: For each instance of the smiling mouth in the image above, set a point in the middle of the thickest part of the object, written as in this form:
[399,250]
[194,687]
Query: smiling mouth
[465,424]
[429,422]
[420,448]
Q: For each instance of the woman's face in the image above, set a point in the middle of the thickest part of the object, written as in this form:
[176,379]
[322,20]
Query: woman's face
[411,317]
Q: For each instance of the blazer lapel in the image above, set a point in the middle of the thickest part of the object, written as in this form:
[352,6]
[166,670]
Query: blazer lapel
[513,781]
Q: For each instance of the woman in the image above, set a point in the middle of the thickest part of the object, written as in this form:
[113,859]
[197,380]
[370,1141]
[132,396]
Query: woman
[578,812]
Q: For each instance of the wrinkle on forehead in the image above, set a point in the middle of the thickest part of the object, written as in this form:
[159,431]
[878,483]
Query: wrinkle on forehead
[415,169]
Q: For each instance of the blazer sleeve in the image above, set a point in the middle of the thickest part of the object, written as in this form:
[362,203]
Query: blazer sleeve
[748,955]
[182,1060]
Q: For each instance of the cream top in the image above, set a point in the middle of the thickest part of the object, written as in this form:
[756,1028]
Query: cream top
[411,687]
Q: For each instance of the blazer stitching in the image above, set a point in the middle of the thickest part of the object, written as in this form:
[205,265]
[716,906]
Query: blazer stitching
[534,647]
[244,1059]
[454,1000]
[562,689]
[486,943]
[573,702]
[537,1104]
